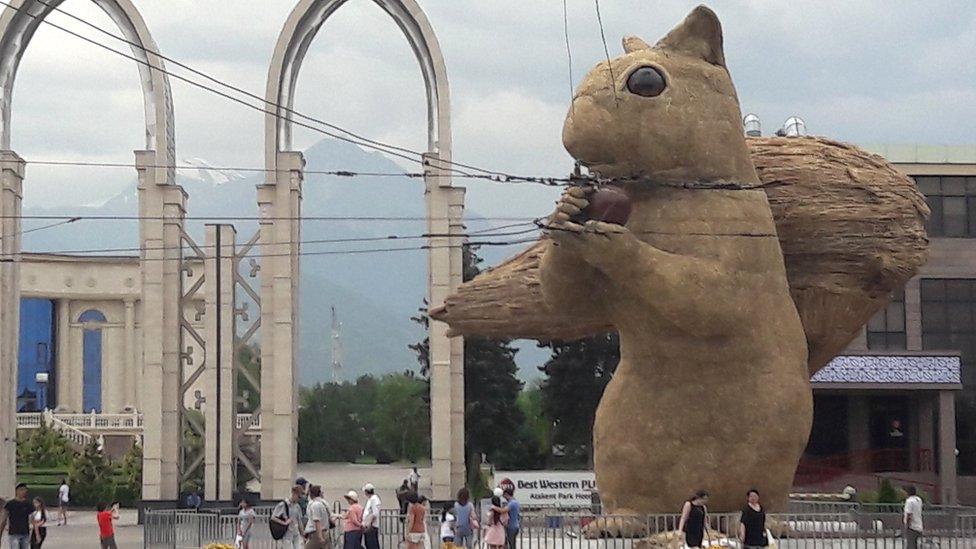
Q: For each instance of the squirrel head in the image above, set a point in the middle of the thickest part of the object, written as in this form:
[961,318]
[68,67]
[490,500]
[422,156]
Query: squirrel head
[669,112]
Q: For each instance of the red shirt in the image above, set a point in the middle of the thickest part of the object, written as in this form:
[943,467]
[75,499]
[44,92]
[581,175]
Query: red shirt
[105,529]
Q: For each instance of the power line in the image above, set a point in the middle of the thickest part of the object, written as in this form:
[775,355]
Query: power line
[606,50]
[569,56]
[363,141]
[42,228]
[255,96]
[336,173]
[337,218]
[351,252]
[483,233]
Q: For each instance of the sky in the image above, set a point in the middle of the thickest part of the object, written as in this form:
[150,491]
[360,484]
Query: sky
[866,72]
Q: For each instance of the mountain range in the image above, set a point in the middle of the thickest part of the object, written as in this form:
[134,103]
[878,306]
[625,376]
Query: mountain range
[374,294]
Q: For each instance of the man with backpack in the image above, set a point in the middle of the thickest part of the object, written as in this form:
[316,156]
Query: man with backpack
[287,521]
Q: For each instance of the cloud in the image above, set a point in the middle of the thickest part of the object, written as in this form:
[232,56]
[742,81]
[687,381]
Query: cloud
[862,71]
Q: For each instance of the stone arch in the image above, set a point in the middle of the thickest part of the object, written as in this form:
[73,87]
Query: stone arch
[162,205]
[304,23]
[17,26]
[280,205]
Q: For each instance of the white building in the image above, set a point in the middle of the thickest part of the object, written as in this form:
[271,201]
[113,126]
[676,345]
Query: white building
[80,324]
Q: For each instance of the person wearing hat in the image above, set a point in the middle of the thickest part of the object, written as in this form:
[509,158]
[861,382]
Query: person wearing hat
[303,501]
[352,522]
[371,517]
[16,517]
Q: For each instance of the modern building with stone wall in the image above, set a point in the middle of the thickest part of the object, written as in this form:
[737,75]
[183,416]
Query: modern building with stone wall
[902,404]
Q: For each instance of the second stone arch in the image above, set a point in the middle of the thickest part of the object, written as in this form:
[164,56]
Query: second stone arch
[279,202]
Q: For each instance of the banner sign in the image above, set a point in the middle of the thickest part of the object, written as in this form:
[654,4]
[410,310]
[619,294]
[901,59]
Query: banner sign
[562,489]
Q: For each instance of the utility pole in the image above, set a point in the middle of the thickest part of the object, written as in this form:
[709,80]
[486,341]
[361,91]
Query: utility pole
[336,348]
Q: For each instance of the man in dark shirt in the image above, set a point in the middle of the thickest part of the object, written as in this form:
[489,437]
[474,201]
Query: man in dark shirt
[16,518]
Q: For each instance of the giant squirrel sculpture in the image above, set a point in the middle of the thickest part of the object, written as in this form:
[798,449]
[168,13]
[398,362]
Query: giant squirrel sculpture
[712,390]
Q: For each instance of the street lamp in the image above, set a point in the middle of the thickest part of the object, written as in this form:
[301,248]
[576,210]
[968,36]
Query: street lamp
[41,378]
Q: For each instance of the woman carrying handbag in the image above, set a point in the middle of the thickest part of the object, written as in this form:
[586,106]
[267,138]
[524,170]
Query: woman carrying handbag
[465,520]
[694,519]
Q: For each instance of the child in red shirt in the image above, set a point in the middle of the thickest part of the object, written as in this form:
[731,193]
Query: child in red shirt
[106,531]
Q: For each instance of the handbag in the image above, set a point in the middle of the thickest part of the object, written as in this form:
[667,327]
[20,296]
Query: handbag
[278,530]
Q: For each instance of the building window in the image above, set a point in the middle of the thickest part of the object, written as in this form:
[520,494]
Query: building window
[886,329]
[91,391]
[953,204]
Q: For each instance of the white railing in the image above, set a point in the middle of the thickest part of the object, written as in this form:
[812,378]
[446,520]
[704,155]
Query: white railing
[251,421]
[130,423]
[70,432]
[29,420]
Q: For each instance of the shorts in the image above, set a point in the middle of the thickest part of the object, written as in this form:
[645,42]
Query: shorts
[415,537]
[109,543]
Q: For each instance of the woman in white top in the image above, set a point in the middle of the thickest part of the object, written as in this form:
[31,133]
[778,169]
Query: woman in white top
[38,523]
[245,524]
[63,500]
[448,521]
[319,521]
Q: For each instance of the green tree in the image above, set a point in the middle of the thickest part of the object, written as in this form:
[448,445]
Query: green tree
[333,421]
[401,417]
[494,424]
[193,445]
[128,487]
[92,476]
[576,375]
[43,448]
[536,422]
[249,378]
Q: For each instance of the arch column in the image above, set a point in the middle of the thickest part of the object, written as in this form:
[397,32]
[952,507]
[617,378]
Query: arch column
[162,208]
[280,211]
[11,195]
[445,268]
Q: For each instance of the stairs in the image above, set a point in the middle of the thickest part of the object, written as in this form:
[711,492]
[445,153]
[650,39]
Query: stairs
[78,438]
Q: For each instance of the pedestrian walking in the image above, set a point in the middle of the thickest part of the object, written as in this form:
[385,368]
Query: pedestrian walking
[194,501]
[495,532]
[38,524]
[912,518]
[245,524]
[352,522]
[752,522]
[693,518]
[466,520]
[106,517]
[371,517]
[448,522]
[514,516]
[319,520]
[401,495]
[414,479]
[16,518]
[64,497]
[288,513]
[303,501]
[415,527]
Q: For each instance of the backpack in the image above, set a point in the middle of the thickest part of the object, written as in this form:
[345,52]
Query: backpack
[279,530]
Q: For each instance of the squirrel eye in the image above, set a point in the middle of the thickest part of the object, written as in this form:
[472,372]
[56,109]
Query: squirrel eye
[646,82]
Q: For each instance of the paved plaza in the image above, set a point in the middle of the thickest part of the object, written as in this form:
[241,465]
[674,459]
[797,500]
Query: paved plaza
[335,478]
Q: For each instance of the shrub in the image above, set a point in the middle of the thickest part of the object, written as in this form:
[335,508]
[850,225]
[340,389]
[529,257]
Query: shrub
[43,448]
[91,477]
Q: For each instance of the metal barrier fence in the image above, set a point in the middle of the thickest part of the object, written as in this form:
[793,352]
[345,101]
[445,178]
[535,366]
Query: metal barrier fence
[541,530]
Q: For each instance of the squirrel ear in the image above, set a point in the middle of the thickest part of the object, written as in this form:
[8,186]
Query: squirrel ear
[632,44]
[699,35]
